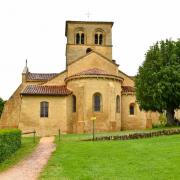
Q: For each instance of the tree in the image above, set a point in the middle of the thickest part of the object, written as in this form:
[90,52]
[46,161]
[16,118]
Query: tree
[158,79]
[1,105]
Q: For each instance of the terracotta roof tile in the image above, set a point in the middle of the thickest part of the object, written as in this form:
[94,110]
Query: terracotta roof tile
[94,71]
[128,89]
[41,76]
[46,90]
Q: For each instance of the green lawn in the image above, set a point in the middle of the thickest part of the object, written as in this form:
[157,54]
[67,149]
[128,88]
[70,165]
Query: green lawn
[153,158]
[26,148]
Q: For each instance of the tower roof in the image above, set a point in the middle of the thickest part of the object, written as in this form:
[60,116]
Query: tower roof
[25,70]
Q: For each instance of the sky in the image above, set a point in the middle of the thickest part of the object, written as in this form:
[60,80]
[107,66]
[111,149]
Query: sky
[35,30]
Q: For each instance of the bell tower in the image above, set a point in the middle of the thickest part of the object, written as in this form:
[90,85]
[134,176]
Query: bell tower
[85,36]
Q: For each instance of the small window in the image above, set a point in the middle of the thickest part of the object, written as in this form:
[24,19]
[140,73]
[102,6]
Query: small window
[97,102]
[131,109]
[82,38]
[44,108]
[77,38]
[88,50]
[117,104]
[74,103]
[96,39]
[99,37]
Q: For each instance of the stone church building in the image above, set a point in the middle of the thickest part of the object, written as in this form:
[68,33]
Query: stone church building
[90,86]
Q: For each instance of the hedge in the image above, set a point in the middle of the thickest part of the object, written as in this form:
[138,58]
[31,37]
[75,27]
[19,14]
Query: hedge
[10,141]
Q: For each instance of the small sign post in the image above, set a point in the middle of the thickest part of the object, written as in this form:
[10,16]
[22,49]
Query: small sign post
[93,120]
[59,132]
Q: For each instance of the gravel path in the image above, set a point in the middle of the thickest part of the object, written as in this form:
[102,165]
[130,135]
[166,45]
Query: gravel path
[30,168]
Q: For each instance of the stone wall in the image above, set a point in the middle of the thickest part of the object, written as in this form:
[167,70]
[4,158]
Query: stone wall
[93,60]
[11,111]
[30,115]
[107,119]
[74,52]
[136,121]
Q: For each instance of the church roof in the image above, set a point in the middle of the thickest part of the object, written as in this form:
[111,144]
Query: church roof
[93,72]
[46,90]
[126,89]
[40,76]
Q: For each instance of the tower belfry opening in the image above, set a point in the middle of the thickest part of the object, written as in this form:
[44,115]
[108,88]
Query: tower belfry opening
[82,35]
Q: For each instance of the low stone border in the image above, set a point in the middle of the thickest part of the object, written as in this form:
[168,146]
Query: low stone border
[138,135]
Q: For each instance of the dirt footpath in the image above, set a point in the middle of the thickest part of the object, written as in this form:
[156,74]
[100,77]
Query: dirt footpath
[30,168]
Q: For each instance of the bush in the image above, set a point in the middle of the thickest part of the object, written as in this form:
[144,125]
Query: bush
[2,102]
[163,119]
[10,141]
[156,125]
[162,122]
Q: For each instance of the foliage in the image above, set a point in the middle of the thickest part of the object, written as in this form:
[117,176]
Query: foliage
[156,125]
[1,105]
[26,148]
[162,119]
[134,159]
[10,141]
[158,80]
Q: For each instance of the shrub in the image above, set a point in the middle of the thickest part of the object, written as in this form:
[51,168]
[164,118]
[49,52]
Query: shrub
[2,102]
[10,141]
[163,119]
[156,125]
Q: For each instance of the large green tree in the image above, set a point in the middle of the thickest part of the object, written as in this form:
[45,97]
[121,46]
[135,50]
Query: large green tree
[1,105]
[158,79]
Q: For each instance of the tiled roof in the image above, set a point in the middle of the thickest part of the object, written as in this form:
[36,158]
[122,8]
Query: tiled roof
[128,89]
[40,76]
[46,90]
[94,71]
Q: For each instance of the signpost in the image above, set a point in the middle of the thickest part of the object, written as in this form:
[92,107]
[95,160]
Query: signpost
[93,119]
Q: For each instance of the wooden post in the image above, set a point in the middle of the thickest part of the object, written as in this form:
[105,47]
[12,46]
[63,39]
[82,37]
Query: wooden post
[93,130]
[34,135]
[59,134]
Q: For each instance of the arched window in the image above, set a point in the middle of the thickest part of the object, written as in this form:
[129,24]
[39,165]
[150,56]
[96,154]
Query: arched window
[131,109]
[97,102]
[77,38]
[88,50]
[99,37]
[117,104]
[73,103]
[96,39]
[44,108]
[80,36]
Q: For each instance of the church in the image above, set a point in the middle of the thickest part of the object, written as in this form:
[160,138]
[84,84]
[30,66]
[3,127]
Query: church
[92,85]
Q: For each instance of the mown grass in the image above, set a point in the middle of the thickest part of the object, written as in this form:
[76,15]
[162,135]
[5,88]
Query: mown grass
[151,159]
[26,148]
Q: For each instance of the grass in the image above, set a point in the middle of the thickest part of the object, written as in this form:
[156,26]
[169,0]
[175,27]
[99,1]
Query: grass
[26,148]
[153,158]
